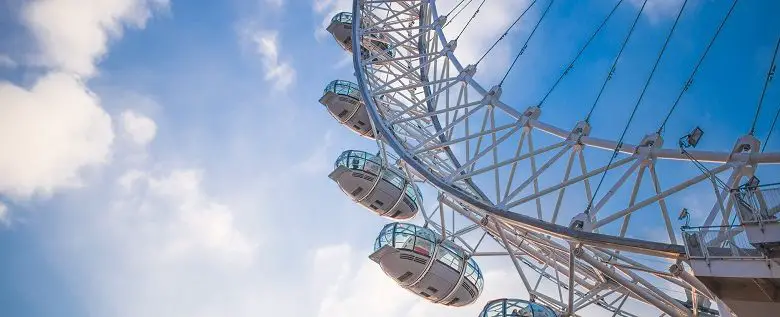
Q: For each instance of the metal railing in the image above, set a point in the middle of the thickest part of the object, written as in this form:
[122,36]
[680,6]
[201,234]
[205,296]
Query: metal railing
[720,242]
[757,204]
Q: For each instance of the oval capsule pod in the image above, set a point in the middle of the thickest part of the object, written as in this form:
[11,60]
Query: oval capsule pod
[383,189]
[343,100]
[373,45]
[418,260]
[509,307]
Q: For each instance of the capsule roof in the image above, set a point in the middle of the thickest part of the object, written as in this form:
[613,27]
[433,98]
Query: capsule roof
[507,307]
[344,88]
[342,17]
[422,241]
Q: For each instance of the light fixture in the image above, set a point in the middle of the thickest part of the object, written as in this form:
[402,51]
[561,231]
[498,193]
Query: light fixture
[684,215]
[694,137]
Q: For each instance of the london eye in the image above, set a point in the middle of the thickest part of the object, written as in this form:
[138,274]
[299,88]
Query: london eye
[592,207]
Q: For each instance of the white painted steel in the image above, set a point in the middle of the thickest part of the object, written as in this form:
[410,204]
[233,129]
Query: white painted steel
[428,118]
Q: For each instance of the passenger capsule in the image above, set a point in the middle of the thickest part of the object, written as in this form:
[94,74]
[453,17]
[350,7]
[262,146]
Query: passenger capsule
[516,308]
[418,260]
[381,188]
[373,44]
[342,98]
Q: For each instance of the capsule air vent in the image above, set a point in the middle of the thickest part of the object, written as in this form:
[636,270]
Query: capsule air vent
[405,256]
[432,289]
[424,294]
[404,276]
[342,113]
[469,289]
[356,191]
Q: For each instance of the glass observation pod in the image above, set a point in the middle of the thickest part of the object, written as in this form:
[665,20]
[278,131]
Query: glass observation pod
[440,272]
[379,187]
[516,308]
[373,44]
[342,98]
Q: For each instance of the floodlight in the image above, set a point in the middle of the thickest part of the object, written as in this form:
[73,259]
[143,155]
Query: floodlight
[695,136]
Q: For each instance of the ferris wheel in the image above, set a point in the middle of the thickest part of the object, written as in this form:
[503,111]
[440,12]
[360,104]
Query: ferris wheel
[569,210]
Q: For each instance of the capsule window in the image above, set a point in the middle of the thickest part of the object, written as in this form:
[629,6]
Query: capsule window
[424,294]
[342,113]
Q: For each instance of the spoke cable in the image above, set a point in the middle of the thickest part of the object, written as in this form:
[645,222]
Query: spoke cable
[525,44]
[470,19]
[458,5]
[689,82]
[615,62]
[638,102]
[450,19]
[571,65]
[771,127]
[769,75]
[506,32]
[704,170]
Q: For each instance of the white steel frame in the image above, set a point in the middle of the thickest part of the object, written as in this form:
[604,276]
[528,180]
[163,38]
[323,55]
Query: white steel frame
[420,104]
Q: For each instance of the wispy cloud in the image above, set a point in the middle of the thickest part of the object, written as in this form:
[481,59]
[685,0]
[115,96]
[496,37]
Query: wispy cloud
[278,70]
[139,128]
[319,161]
[327,9]
[657,10]
[5,218]
[7,62]
[349,284]
[74,42]
[159,243]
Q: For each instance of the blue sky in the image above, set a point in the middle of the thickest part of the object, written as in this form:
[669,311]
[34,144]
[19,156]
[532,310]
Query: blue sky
[169,158]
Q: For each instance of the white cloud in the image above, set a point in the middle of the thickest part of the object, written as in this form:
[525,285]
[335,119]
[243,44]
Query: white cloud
[328,8]
[266,44]
[48,134]
[5,218]
[139,128]
[198,221]
[73,40]
[656,10]
[163,246]
[492,20]
[57,127]
[7,62]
